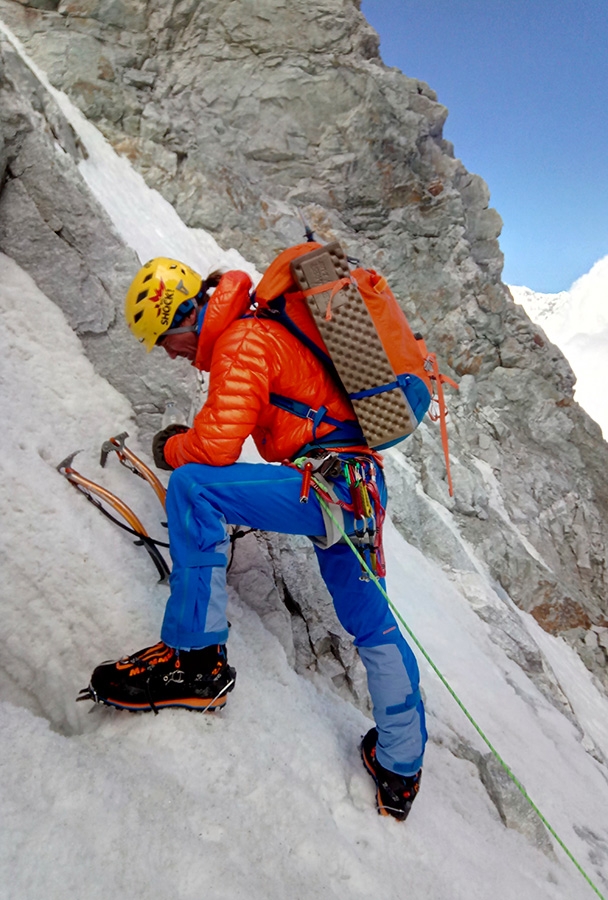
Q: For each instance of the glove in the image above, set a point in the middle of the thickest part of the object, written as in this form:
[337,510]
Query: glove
[158,444]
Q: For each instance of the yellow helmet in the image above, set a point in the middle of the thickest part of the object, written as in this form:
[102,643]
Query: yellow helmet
[156,293]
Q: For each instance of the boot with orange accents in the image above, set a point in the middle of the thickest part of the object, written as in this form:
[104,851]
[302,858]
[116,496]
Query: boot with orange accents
[395,793]
[159,677]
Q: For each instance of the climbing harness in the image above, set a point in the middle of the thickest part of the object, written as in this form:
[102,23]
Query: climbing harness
[369,515]
[365,504]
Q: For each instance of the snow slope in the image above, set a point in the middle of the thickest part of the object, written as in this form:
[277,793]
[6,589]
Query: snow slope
[577,321]
[267,799]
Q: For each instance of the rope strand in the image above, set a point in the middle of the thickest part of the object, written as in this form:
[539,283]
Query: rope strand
[468,715]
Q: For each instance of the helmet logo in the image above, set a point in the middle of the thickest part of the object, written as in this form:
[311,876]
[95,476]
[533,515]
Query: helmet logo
[163,299]
[181,287]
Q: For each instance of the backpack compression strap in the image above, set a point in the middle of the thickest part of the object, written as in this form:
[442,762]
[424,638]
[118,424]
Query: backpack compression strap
[332,286]
[439,380]
[276,312]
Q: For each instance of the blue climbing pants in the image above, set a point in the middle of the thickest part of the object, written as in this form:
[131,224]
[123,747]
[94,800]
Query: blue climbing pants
[202,500]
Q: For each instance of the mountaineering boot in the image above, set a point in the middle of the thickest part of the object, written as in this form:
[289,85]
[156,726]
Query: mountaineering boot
[395,793]
[158,677]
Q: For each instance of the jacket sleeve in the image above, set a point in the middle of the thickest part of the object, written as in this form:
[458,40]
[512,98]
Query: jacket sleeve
[238,390]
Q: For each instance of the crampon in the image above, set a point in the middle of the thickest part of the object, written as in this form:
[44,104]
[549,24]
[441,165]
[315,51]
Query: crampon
[160,677]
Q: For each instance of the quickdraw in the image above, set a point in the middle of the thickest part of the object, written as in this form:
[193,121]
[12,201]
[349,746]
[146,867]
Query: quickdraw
[368,512]
[365,503]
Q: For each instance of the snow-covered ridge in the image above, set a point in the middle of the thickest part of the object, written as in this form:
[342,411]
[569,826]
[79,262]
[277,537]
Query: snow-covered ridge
[548,310]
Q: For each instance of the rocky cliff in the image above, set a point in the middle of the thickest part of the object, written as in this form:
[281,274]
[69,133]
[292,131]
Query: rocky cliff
[240,113]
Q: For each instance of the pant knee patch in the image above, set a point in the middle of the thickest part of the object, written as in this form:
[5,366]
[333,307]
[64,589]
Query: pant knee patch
[196,559]
[411,702]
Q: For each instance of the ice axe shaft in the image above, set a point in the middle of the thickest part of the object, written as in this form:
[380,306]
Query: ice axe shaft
[128,459]
[91,490]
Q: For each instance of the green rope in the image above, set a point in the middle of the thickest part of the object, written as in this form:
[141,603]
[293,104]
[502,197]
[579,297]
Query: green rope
[453,694]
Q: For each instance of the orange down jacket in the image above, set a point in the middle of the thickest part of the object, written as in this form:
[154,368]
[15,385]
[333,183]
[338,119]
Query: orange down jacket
[249,358]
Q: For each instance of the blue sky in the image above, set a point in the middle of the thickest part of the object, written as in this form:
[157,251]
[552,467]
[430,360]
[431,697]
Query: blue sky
[526,84]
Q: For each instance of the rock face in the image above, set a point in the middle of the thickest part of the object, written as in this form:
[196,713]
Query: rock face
[278,577]
[52,226]
[240,112]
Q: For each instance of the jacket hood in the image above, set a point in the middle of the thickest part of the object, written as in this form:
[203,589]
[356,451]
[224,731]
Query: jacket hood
[229,302]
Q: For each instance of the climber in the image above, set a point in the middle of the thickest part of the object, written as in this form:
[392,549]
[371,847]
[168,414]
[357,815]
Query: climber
[251,359]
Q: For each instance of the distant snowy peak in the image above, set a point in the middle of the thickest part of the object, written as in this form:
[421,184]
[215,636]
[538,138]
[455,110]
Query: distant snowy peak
[581,310]
[577,321]
[550,311]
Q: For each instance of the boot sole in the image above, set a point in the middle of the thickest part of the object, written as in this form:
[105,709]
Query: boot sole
[195,704]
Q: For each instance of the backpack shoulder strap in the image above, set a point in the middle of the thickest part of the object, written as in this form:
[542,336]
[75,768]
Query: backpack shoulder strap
[346,432]
[276,312]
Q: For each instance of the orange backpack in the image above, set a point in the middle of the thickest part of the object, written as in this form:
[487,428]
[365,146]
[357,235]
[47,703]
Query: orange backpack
[352,321]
